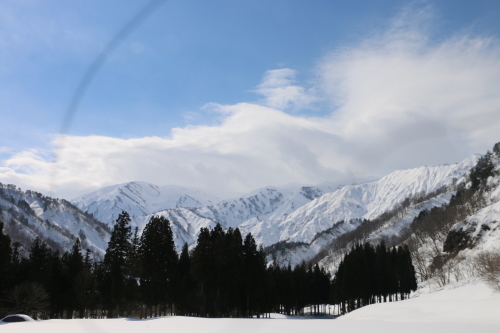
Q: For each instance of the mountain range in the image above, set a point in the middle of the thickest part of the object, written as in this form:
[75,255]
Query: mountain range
[294,222]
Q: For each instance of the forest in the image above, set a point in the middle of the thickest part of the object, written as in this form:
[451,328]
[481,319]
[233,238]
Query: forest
[224,275]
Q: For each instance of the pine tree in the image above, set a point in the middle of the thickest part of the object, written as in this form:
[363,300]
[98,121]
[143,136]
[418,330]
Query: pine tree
[117,266]
[73,265]
[496,149]
[58,289]
[234,269]
[135,255]
[74,260]
[254,273]
[158,263]
[202,269]
[5,260]
[183,295]
[409,279]
[38,260]
[481,171]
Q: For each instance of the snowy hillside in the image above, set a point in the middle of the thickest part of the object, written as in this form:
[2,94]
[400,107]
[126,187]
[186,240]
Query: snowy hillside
[139,199]
[368,201]
[391,204]
[392,226]
[483,226]
[456,304]
[29,214]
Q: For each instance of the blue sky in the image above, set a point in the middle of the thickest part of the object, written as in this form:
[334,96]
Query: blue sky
[215,90]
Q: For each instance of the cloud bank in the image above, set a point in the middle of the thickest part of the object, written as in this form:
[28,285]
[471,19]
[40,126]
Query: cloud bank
[398,99]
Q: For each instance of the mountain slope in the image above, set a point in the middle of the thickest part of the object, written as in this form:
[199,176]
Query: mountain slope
[265,204]
[368,201]
[139,199]
[272,214]
[59,223]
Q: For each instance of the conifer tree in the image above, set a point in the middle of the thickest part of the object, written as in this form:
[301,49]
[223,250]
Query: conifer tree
[366,275]
[158,259]
[135,254]
[73,262]
[496,149]
[117,266]
[184,290]
[234,269]
[408,276]
[5,260]
[254,274]
[481,171]
[202,269]
[38,260]
[58,288]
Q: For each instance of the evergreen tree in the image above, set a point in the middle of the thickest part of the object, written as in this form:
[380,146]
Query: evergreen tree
[234,270]
[202,269]
[158,263]
[366,275]
[58,288]
[184,295]
[135,255]
[408,276]
[75,271]
[74,260]
[117,267]
[38,260]
[481,171]
[5,262]
[254,273]
[496,149]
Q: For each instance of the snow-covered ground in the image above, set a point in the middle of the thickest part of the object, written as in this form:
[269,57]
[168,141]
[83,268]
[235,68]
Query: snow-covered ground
[471,307]
[467,303]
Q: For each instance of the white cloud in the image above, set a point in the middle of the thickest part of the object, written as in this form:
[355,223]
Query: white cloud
[399,100]
[403,99]
[279,91]
[255,146]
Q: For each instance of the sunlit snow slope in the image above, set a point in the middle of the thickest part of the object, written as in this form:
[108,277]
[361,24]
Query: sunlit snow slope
[139,199]
[368,201]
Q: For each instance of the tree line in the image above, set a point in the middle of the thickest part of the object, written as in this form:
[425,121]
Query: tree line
[368,275]
[223,275]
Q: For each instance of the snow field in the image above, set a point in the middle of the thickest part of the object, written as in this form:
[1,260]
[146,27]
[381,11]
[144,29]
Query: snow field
[466,308]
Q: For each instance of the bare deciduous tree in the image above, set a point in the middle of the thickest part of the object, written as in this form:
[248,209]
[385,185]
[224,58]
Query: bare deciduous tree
[488,266]
[28,297]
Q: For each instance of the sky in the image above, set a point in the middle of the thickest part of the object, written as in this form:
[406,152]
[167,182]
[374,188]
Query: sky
[230,95]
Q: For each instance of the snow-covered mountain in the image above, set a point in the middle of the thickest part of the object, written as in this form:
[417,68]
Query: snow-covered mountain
[139,199]
[298,221]
[291,213]
[393,224]
[266,204]
[368,201]
[482,226]
[29,214]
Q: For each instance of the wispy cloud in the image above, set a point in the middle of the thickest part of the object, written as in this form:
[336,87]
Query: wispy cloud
[402,98]
[280,91]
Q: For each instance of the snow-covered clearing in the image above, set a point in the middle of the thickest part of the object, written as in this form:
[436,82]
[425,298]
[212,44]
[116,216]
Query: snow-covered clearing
[466,308]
